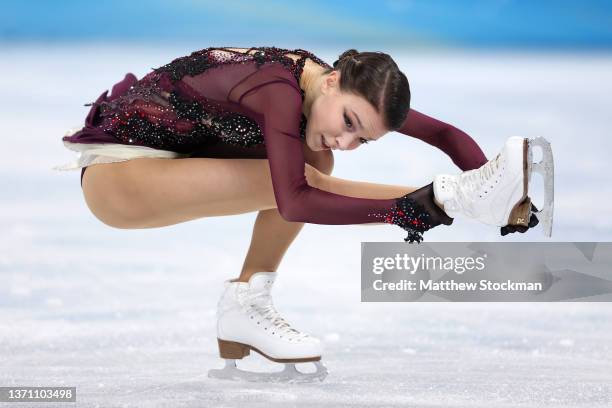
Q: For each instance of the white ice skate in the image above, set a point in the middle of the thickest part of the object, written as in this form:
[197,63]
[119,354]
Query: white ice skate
[247,320]
[497,192]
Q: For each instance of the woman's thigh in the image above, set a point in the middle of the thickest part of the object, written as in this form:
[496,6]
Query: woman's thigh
[151,192]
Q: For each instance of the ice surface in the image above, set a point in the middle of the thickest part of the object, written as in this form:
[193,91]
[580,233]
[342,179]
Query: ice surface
[127,316]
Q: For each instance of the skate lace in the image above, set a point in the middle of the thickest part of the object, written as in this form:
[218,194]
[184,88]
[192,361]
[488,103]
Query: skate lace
[473,180]
[263,305]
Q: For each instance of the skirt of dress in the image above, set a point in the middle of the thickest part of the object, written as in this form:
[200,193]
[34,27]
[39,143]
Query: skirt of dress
[95,146]
[96,153]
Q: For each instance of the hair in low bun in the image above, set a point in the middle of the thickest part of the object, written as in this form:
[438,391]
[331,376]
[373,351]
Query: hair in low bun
[346,55]
[375,76]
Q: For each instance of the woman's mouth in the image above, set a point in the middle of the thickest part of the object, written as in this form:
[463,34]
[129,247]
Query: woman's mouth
[325,146]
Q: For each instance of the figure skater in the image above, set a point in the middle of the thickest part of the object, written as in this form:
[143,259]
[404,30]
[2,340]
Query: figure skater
[227,131]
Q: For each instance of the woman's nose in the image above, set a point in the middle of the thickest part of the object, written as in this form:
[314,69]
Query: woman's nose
[343,143]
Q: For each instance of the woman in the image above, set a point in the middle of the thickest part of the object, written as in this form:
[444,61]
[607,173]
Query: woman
[276,115]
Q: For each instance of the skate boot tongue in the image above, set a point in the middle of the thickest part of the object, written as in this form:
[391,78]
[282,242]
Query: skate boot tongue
[261,282]
[260,286]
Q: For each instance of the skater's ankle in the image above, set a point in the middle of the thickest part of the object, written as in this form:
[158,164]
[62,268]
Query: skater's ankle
[246,275]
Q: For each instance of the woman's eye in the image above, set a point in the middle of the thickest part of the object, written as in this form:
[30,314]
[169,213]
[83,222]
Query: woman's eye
[347,120]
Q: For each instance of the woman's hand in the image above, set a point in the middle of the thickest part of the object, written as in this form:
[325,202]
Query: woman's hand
[533,221]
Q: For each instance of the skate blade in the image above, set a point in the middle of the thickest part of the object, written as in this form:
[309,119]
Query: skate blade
[545,167]
[289,374]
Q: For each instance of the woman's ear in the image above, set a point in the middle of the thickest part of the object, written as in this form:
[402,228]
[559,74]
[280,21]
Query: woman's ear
[331,81]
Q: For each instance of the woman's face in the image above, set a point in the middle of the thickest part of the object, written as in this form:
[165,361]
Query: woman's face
[343,121]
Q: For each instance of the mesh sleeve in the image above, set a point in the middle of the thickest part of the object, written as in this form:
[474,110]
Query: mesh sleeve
[458,145]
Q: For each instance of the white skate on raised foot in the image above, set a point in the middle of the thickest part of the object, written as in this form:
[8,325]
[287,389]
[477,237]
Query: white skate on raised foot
[247,320]
[497,192]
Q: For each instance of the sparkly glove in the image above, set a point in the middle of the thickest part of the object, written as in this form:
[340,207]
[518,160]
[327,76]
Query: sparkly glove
[416,213]
[533,221]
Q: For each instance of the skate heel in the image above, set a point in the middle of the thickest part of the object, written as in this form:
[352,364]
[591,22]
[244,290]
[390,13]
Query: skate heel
[521,213]
[233,350]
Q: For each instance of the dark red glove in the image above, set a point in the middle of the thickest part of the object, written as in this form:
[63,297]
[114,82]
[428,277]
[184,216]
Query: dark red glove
[533,221]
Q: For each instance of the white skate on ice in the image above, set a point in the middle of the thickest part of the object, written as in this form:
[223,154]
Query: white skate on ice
[497,192]
[247,320]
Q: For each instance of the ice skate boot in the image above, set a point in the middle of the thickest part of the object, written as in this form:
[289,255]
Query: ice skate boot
[247,320]
[497,192]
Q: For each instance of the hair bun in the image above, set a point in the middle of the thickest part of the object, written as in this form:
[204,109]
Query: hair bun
[346,55]
[349,53]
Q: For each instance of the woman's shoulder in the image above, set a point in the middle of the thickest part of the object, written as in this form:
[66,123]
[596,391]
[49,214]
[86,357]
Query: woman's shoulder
[270,85]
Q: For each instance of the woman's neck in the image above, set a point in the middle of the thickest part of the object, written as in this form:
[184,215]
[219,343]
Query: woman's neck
[310,82]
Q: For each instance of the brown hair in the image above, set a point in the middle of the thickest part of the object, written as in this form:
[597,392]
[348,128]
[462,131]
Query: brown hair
[376,77]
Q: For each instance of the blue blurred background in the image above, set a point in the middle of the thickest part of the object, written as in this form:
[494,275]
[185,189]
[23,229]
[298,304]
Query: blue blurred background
[393,23]
[128,316]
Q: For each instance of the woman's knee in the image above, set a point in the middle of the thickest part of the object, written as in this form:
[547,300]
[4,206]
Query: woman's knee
[106,197]
[314,176]
[324,162]
[114,210]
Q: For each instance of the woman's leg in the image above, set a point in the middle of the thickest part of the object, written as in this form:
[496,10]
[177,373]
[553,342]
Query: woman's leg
[272,234]
[362,189]
[150,193]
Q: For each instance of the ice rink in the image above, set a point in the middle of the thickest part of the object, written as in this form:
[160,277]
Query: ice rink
[128,316]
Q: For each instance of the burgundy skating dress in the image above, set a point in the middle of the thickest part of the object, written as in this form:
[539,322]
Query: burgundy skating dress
[218,102]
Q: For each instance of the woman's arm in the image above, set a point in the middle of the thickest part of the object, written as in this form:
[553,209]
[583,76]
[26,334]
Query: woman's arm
[458,145]
[273,99]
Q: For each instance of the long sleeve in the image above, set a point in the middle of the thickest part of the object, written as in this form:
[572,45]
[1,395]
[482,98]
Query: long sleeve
[458,145]
[275,101]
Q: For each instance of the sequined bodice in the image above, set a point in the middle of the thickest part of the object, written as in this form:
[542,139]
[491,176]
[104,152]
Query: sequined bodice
[178,107]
